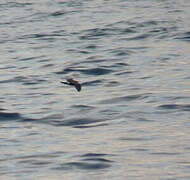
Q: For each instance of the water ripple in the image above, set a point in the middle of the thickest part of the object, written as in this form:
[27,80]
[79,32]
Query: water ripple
[74,122]
[181,107]
[89,71]
[97,33]
[4,116]
[89,161]
[184,36]
[83,166]
[58,13]
[124,98]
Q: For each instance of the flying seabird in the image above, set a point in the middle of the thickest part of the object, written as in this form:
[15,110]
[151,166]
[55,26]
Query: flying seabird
[72,82]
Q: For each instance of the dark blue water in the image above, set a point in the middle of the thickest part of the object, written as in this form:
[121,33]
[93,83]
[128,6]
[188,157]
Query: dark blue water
[131,119]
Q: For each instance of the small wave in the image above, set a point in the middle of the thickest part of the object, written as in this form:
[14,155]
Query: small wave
[41,36]
[98,160]
[31,58]
[9,116]
[127,30]
[35,163]
[165,153]
[139,37]
[120,52]
[83,166]
[139,149]
[90,126]
[75,121]
[144,24]
[97,33]
[97,71]
[92,83]
[14,116]
[24,80]
[181,107]
[89,161]
[93,155]
[124,73]
[37,160]
[133,139]
[40,155]
[58,13]
[59,120]
[184,37]
[124,98]
[89,71]
[16,4]
[80,106]
[90,47]
[24,119]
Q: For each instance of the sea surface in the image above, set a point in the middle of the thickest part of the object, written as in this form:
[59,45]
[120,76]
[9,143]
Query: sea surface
[132,118]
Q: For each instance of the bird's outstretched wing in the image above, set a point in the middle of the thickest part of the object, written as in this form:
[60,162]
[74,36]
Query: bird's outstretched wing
[65,82]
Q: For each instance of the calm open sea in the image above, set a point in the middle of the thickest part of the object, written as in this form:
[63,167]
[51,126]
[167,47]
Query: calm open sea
[132,118]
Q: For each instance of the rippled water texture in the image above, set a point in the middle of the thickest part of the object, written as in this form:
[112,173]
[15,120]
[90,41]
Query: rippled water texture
[131,119]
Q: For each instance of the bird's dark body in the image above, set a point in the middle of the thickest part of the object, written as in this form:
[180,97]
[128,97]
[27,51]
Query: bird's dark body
[72,82]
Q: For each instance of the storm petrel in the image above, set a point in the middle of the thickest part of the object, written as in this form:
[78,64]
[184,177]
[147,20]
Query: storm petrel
[72,82]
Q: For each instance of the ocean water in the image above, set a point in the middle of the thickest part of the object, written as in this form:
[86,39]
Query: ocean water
[132,118]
